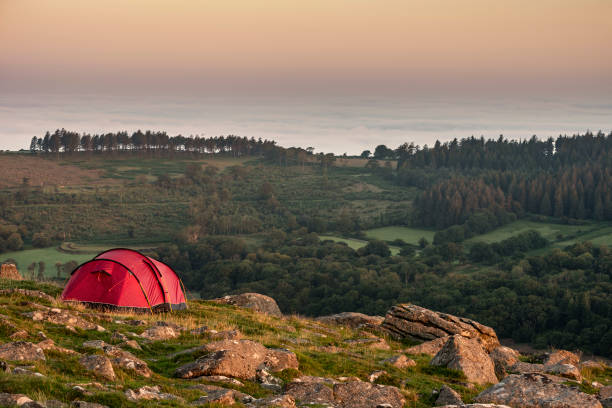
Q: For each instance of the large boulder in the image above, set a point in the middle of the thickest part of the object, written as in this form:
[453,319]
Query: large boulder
[352,319]
[21,351]
[467,355]
[310,392]
[9,271]
[562,357]
[430,347]
[411,321]
[536,391]
[99,365]
[359,394]
[255,301]
[503,358]
[561,370]
[399,361]
[448,396]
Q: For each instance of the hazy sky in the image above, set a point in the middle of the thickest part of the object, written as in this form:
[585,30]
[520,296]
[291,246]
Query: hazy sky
[400,50]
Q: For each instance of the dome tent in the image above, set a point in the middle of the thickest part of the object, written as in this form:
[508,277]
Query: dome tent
[125,279]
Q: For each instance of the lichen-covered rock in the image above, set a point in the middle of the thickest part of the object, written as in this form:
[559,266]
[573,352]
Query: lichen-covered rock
[158,333]
[468,356]
[448,396]
[100,366]
[536,391]
[127,361]
[63,318]
[220,395]
[49,345]
[308,392]
[561,370]
[280,359]
[149,393]
[254,301]
[277,401]
[503,358]
[21,351]
[353,320]
[359,394]
[411,321]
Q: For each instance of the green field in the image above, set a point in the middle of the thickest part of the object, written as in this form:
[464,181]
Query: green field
[560,235]
[355,243]
[408,235]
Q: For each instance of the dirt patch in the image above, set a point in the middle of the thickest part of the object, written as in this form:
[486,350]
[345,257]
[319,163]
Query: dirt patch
[45,172]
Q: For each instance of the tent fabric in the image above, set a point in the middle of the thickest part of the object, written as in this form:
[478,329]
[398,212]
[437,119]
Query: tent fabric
[126,279]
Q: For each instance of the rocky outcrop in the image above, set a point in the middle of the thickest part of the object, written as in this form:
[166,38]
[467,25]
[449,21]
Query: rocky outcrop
[468,356]
[536,391]
[448,396]
[411,321]
[353,320]
[503,358]
[429,347]
[359,394]
[21,351]
[280,359]
[100,366]
[279,401]
[310,392]
[561,370]
[9,271]
[254,301]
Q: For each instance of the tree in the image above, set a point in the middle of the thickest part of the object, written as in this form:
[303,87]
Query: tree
[41,271]
[365,154]
[58,266]
[14,242]
[383,152]
[33,144]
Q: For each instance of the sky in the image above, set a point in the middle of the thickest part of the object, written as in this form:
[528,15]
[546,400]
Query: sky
[339,74]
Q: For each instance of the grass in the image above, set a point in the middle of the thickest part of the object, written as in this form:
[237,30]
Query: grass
[355,243]
[407,234]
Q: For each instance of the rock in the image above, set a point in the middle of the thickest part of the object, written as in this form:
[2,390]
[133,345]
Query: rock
[158,333]
[21,351]
[255,301]
[353,320]
[34,404]
[135,322]
[232,358]
[371,342]
[49,345]
[221,379]
[280,359]
[475,406]
[94,344]
[376,375]
[562,357]
[268,381]
[9,271]
[149,393]
[63,318]
[605,392]
[118,337]
[26,371]
[133,344]
[503,358]
[467,355]
[100,366]
[282,401]
[225,335]
[561,370]
[606,403]
[400,361]
[27,292]
[127,361]
[307,392]
[220,395]
[411,321]
[83,404]
[19,335]
[359,394]
[593,365]
[3,367]
[429,347]
[448,396]
[55,404]
[8,400]
[199,331]
[536,391]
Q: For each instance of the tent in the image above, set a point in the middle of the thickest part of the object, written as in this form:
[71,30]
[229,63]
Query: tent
[125,279]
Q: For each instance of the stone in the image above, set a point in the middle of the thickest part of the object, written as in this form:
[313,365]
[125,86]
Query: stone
[49,345]
[94,344]
[225,335]
[133,344]
[308,392]
[375,375]
[99,365]
[359,394]
[199,331]
[371,342]
[536,391]
[562,357]
[220,395]
[149,393]
[21,351]
[280,359]
[448,396]
[55,404]
[84,404]
[118,337]
[7,399]
[430,348]
[605,392]
[127,361]
[34,404]
[254,301]
[475,406]
[19,335]
[503,358]
[606,403]
[353,320]
[593,365]
[3,367]
[282,401]
[400,361]
[268,381]
[564,370]
[9,271]
[158,333]
[221,379]
[26,371]
[468,356]
[411,321]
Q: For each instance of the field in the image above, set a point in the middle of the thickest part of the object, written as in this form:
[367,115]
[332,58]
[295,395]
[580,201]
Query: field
[355,243]
[560,235]
[408,235]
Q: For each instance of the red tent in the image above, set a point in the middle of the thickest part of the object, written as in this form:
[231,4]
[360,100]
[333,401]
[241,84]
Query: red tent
[126,279]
